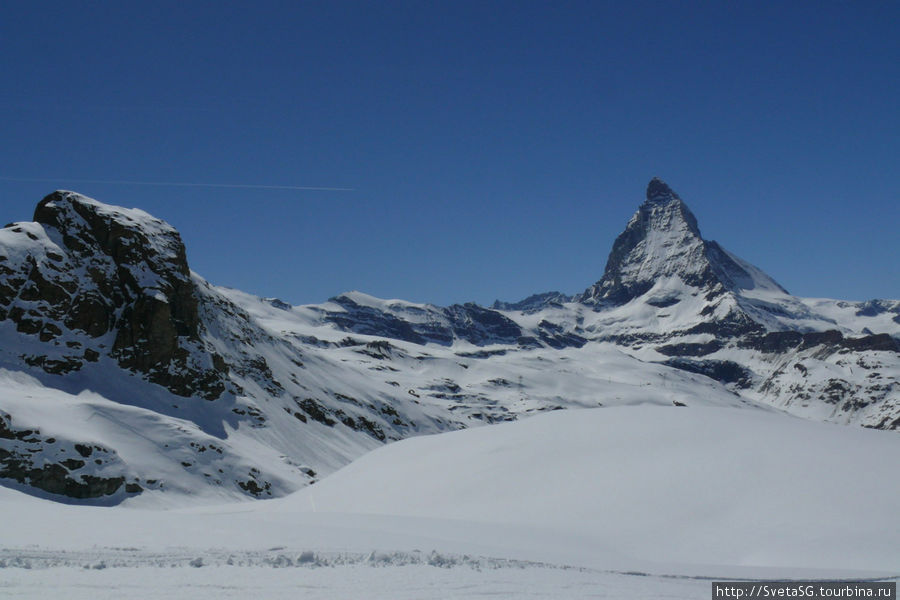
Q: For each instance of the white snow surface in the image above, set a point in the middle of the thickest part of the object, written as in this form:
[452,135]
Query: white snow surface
[637,502]
[699,486]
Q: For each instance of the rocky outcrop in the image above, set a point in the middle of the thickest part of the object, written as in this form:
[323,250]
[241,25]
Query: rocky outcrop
[534,303]
[57,466]
[788,341]
[723,371]
[470,322]
[98,279]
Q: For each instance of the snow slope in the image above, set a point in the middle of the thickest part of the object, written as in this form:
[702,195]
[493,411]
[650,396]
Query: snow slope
[699,486]
[638,502]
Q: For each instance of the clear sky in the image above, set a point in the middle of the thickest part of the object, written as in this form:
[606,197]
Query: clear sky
[493,149]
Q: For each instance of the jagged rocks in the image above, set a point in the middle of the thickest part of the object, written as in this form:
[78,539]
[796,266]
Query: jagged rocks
[255,486]
[723,371]
[93,270]
[41,462]
[784,341]
[482,326]
[690,349]
[470,322]
[534,303]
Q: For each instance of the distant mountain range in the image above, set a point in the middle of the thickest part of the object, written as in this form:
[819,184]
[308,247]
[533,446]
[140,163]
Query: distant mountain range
[126,375]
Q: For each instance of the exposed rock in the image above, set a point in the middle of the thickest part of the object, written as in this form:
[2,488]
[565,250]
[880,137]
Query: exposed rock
[784,341]
[137,286]
[469,322]
[24,459]
[724,371]
[555,336]
[533,303]
[690,349]
[367,320]
[482,326]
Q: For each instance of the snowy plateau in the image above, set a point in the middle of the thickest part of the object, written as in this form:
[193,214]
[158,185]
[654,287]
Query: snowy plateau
[684,419]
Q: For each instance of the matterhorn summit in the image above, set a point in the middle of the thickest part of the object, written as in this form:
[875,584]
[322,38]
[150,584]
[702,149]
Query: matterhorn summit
[661,245]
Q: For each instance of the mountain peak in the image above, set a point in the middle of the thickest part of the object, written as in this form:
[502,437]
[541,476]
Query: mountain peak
[73,213]
[658,190]
[662,241]
[102,270]
[61,200]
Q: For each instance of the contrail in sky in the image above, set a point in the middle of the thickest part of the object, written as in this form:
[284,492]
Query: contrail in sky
[246,186]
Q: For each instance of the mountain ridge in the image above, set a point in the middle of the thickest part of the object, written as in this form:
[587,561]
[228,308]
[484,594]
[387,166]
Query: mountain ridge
[101,314]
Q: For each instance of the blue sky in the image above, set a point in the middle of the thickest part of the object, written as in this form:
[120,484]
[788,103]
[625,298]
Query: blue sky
[494,149]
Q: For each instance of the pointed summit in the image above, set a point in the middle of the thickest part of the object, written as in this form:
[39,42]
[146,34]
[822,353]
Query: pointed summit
[661,244]
[657,190]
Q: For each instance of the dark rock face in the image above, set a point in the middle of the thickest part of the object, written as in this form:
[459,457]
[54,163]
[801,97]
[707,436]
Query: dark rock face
[877,307]
[659,191]
[881,341]
[555,336]
[482,326]
[470,322]
[155,321]
[734,324]
[366,320]
[534,303]
[779,342]
[24,458]
[724,371]
[116,276]
[690,349]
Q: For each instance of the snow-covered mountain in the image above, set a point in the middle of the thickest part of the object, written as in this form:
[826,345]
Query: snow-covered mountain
[126,375]
[662,242]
